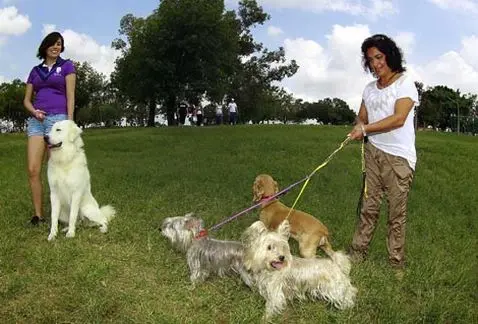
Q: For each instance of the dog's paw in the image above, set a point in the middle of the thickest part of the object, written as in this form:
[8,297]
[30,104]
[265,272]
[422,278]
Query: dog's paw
[103,228]
[70,234]
[51,237]
[64,230]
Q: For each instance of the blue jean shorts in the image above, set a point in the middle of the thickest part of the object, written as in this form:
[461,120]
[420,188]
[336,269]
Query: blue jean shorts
[41,128]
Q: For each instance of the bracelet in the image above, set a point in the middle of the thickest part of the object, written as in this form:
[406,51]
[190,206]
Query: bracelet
[363,130]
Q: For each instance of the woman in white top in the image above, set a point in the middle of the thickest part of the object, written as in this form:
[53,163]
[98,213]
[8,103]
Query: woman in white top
[385,120]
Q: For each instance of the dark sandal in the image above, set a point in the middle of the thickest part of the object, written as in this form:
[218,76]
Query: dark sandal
[37,220]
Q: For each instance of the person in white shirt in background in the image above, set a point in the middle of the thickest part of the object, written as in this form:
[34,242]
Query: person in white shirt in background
[232,112]
[219,116]
[385,120]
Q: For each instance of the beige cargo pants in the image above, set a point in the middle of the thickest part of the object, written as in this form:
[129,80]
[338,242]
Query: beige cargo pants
[390,175]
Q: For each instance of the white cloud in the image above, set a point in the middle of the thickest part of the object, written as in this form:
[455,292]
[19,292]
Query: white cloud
[48,28]
[470,6]
[455,69]
[82,47]
[373,8]
[381,8]
[334,69]
[331,71]
[274,31]
[469,50]
[13,23]
[406,41]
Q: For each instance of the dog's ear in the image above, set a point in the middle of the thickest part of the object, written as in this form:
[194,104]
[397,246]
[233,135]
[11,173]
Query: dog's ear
[252,232]
[190,223]
[165,224]
[193,223]
[74,131]
[284,229]
[257,189]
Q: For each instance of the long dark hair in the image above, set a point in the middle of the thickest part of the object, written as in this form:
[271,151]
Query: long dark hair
[386,45]
[49,41]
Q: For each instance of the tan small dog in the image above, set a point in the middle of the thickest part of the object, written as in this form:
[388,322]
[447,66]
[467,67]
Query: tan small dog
[309,232]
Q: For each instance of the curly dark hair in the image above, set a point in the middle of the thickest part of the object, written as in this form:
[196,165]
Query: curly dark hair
[49,41]
[386,45]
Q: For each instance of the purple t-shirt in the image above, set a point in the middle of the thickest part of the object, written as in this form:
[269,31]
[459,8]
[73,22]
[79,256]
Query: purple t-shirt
[49,87]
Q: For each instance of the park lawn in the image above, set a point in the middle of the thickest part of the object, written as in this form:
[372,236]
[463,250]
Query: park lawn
[131,274]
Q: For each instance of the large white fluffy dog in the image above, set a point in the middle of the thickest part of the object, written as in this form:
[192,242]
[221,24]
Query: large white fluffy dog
[69,180]
[280,277]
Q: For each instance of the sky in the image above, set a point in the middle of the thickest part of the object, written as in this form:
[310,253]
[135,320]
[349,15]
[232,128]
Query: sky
[438,37]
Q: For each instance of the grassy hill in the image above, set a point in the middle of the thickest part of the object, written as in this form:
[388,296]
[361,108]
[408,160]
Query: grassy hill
[131,274]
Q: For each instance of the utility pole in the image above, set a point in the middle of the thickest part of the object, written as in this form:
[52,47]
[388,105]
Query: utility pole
[458,117]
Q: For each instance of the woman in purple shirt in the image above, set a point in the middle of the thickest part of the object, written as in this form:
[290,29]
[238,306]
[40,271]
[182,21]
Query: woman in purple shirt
[52,84]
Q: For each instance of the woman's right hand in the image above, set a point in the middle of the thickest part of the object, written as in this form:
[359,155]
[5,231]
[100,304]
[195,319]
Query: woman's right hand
[39,114]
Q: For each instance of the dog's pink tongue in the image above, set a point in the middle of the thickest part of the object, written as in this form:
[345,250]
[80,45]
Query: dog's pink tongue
[277,265]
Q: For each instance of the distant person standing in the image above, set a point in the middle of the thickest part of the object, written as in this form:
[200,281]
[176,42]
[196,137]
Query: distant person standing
[219,116]
[232,112]
[199,115]
[182,112]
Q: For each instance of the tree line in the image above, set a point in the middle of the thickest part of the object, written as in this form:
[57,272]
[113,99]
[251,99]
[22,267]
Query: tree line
[196,50]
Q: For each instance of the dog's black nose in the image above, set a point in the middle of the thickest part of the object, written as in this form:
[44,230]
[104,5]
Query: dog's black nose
[46,138]
[281,258]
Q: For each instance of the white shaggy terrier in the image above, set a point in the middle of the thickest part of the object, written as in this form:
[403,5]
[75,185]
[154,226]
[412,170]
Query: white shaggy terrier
[279,276]
[205,256]
[69,181]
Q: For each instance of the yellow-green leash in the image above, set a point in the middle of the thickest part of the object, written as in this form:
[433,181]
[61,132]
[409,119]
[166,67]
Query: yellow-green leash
[363,192]
[363,169]
[345,142]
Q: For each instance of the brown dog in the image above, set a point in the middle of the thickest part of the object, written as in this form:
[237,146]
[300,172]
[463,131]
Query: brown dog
[305,228]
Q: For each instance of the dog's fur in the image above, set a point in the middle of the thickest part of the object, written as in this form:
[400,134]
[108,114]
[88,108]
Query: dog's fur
[69,181]
[279,276]
[309,232]
[205,256]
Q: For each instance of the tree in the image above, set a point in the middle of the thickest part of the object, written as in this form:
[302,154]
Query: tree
[334,111]
[343,114]
[11,103]
[91,91]
[441,105]
[185,48]
[254,84]
[190,48]
[419,86]
[134,75]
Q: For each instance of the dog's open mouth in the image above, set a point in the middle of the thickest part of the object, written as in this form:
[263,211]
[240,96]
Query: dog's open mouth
[277,264]
[52,146]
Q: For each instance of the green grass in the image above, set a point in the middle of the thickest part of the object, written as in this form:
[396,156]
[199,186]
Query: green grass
[131,274]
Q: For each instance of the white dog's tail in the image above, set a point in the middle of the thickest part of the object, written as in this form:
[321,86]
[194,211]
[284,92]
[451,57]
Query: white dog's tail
[342,261]
[108,212]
